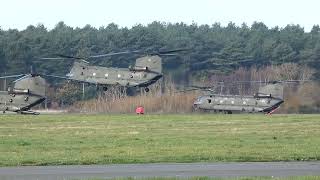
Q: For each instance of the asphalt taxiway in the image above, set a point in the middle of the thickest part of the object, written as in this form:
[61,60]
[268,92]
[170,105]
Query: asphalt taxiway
[275,169]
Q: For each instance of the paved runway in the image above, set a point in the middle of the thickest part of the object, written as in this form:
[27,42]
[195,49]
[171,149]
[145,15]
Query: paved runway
[162,170]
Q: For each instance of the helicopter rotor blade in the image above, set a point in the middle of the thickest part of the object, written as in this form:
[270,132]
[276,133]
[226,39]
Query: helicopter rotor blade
[64,57]
[167,54]
[173,51]
[222,83]
[186,90]
[113,54]
[195,89]
[12,76]
[142,52]
[67,57]
[49,58]
[23,77]
[202,87]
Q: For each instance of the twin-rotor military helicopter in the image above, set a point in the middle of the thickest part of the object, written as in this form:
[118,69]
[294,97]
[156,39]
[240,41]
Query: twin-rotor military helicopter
[267,100]
[146,71]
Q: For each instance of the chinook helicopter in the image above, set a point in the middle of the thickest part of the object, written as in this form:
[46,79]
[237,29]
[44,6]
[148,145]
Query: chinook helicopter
[146,71]
[267,100]
[25,93]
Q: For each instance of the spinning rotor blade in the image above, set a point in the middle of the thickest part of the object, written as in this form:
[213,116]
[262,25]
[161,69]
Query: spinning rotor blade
[142,52]
[69,57]
[52,58]
[202,87]
[172,51]
[272,81]
[12,76]
[113,54]
[186,90]
[23,77]
[195,89]
[167,54]
[63,57]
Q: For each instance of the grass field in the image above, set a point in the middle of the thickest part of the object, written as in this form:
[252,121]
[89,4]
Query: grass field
[106,139]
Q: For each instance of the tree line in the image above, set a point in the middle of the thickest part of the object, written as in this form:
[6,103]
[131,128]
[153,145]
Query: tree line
[213,48]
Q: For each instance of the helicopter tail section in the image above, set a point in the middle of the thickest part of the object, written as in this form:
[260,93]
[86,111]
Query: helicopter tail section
[32,84]
[272,90]
[149,63]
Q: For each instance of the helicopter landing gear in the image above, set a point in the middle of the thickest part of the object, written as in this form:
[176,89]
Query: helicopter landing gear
[6,109]
[146,89]
[105,88]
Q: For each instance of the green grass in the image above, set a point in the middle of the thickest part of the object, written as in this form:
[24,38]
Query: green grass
[106,139]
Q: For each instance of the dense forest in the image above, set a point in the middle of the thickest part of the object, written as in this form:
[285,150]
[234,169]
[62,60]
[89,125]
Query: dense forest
[213,48]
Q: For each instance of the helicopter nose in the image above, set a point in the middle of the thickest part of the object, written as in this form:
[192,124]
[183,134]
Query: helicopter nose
[196,105]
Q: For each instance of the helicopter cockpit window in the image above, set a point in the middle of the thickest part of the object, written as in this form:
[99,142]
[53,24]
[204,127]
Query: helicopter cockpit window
[199,100]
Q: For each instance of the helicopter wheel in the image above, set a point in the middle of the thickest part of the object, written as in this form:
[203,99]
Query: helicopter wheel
[147,89]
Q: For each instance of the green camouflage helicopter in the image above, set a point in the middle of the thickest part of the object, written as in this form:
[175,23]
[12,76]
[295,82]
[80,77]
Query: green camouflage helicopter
[146,71]
[26,92]
[267,100]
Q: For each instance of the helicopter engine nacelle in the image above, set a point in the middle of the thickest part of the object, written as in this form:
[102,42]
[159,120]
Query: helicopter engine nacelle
[139,69]
[20,91]
[30,84]
[149,63]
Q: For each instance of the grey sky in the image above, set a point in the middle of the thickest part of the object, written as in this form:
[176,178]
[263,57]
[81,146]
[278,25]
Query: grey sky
[77,13]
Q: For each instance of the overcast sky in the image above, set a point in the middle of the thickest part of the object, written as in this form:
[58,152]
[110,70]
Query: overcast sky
[77,13]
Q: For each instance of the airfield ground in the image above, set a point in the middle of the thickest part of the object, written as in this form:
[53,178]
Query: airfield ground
[109,139]
[221,178]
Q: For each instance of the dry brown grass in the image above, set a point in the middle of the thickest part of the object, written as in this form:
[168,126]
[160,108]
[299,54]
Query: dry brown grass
[170,103]
[158,100]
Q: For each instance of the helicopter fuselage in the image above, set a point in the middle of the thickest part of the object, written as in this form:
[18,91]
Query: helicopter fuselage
[113,76]
[19,102]
[233,103]
[25,93]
